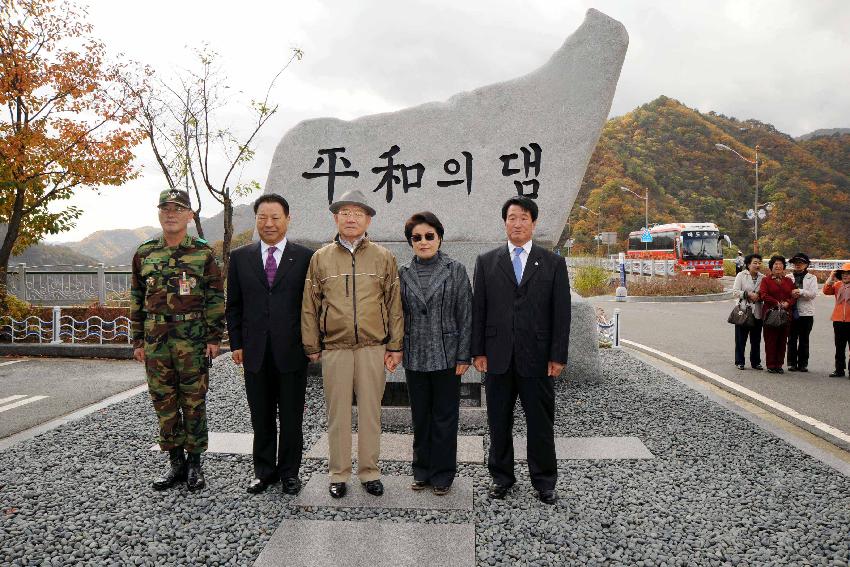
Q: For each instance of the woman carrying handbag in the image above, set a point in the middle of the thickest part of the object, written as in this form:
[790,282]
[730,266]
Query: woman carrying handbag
[746,290]
[776,294]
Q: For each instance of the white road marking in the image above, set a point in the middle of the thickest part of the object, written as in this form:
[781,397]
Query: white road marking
[829,432]
[20,403]
[11,399]
[10,362]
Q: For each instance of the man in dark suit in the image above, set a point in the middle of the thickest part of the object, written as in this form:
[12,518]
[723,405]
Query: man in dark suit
[265,286]
[520,338]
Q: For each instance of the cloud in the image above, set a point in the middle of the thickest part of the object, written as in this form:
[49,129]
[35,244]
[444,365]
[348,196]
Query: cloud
[780,61]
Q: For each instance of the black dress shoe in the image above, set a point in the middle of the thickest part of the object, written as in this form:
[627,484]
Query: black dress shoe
[758,367]
[792,369]
[547,496]
[803,369]
[441,490]
[780,371]
[837,374]
[337,489]
[291,485]
[418,485]
[740,366]
[257,485]
[498,491]
[374,487]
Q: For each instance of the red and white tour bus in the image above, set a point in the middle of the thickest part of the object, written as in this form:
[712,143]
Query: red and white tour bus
[695,246]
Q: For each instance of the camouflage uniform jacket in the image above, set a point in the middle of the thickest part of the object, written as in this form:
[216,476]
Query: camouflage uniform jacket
[160,271]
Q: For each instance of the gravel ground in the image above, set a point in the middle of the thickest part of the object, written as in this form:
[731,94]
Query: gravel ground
[719,492]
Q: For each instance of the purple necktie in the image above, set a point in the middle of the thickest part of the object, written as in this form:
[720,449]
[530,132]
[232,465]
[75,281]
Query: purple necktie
[271,265]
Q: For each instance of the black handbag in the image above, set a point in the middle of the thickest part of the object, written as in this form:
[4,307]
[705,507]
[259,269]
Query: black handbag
[776,317]
[741,315]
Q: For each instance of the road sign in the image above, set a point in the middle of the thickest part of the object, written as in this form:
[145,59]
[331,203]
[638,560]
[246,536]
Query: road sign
[608,237]
[750,214]
[762,214]
[570,242]
[646,236]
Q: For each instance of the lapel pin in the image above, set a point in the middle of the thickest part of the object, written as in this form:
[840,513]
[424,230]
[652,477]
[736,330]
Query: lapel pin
[535,263]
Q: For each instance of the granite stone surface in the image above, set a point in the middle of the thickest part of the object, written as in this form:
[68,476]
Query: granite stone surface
[397,495]
[319,543]
[590,448]
[227,443]
[399,447]
[533,133]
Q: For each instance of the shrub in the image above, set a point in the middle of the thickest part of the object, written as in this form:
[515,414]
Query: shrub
[729,267]
[680,284]
[14,307]
[591,280]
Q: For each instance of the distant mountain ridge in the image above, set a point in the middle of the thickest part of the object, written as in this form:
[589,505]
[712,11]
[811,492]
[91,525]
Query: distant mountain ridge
[822,132]
[670,149]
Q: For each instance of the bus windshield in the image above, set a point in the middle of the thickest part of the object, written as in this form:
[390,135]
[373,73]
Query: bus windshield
[701,245]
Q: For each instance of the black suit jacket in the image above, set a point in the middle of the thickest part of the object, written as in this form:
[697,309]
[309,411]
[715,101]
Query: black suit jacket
[529,322]
[256,312]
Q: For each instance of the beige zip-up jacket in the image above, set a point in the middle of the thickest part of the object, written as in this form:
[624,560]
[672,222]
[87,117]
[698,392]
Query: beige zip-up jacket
[352,300]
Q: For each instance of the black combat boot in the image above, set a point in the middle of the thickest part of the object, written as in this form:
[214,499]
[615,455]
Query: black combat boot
[195,478]
[176,472]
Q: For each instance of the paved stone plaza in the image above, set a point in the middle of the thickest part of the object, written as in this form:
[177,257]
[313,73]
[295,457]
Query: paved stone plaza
[698,484]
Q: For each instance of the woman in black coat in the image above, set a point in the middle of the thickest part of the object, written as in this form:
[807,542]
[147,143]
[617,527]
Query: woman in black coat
[437,299]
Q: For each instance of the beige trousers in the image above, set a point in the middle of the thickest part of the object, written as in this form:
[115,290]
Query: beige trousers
[360,371]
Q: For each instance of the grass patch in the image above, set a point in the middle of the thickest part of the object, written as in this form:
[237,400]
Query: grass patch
[592,280]
[675,285]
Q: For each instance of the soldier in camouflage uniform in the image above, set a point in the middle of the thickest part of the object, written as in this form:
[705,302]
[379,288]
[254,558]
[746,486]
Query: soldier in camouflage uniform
[177,315]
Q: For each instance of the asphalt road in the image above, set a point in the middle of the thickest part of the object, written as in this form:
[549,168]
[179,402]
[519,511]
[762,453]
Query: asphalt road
[36,390]
[699,334]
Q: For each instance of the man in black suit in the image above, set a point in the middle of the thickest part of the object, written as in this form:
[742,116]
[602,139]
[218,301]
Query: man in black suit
[265,285]
[520,337]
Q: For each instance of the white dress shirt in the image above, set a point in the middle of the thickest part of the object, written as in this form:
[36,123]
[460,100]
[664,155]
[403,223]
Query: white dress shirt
[264,252]
[523,257]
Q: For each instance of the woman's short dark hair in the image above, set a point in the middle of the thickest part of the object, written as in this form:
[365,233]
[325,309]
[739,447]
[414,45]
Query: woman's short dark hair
[775,258]
[750,258]
[522,202]
[425,217]
[272,198]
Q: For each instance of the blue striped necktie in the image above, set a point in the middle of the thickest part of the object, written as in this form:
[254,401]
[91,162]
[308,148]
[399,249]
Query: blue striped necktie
[517,265]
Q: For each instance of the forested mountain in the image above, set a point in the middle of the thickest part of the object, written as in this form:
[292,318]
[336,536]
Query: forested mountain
[670,149]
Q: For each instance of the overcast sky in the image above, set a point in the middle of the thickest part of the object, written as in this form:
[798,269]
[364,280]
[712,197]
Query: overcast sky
[785,62]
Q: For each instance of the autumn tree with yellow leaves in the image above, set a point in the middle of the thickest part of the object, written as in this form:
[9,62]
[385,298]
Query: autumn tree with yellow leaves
[68,120]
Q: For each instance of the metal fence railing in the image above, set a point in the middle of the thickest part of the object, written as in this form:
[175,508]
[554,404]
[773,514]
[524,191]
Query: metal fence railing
[64,329]
[69,285]
[640,267]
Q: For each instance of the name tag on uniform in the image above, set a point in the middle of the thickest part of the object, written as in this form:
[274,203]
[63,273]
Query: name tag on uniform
[185,285]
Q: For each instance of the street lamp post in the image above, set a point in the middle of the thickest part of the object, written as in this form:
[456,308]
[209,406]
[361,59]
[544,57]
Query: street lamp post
[755,162]
[598,226]
[646,207]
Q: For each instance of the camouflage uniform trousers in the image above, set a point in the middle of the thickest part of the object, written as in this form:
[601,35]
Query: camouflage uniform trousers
[175,362]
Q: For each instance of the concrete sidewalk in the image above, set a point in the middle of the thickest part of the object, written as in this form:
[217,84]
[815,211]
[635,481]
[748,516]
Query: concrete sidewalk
[699,334]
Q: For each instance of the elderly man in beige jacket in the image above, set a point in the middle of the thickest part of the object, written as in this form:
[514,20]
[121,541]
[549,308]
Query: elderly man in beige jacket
[351,320]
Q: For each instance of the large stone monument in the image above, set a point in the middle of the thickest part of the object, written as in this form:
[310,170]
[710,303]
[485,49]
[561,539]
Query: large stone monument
[462,158]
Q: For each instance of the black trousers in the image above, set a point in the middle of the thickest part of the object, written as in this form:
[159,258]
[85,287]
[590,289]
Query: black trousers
[842,340]
[798,341]
[273,396]
[537,397]
[742,333]
[435,408]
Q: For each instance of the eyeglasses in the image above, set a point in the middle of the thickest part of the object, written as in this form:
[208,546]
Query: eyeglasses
[348,214]
[429,236]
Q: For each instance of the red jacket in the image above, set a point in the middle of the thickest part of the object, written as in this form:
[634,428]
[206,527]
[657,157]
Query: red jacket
[841,311]
[772,292]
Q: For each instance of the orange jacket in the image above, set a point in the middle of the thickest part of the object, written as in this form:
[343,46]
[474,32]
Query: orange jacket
[841,312]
